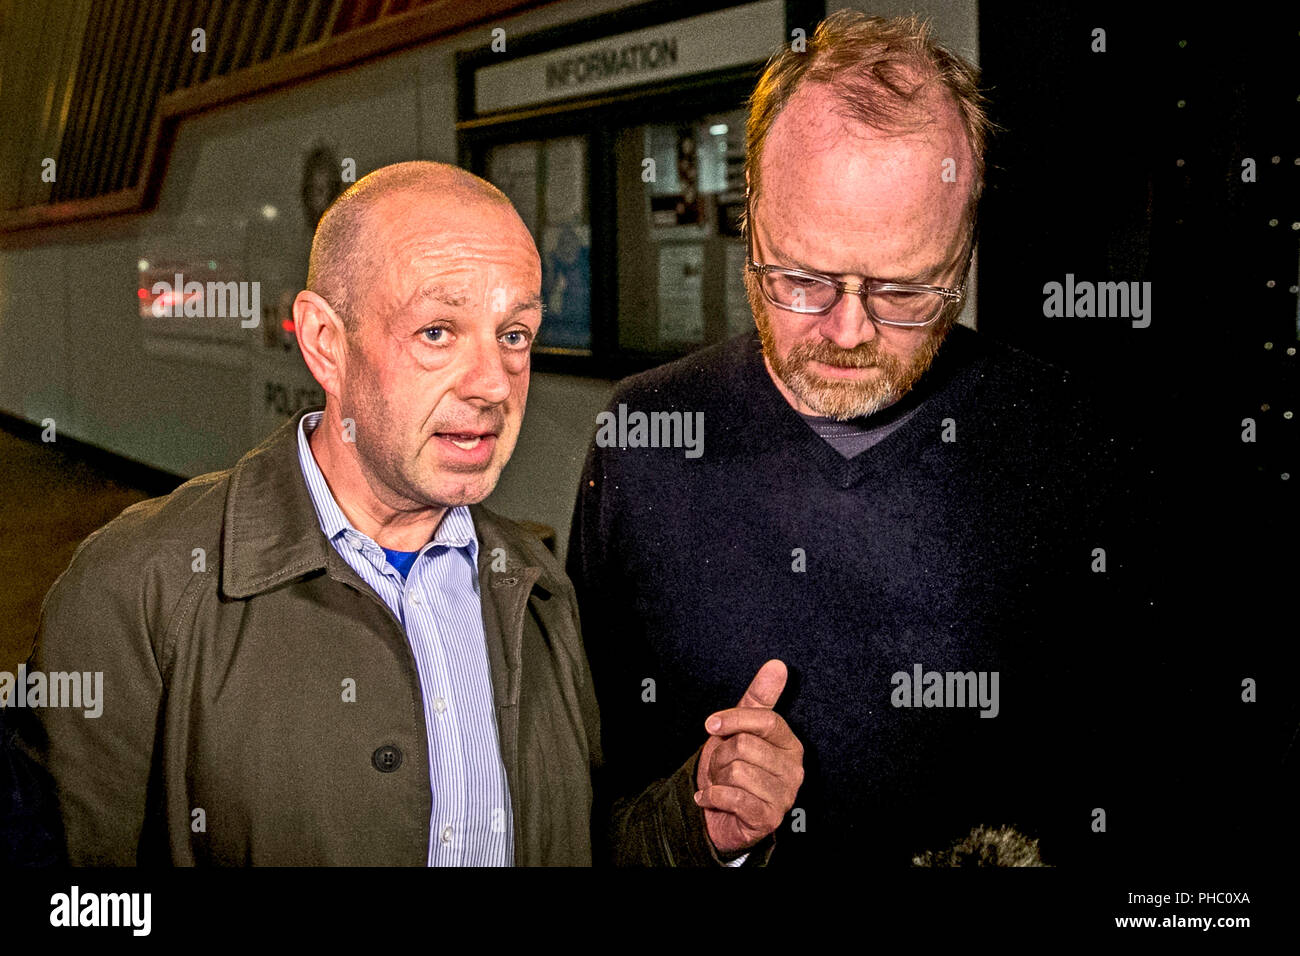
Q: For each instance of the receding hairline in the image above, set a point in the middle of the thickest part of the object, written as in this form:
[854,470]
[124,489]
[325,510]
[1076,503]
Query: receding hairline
[447,183]
[881,70]
[418,175]
[344,238]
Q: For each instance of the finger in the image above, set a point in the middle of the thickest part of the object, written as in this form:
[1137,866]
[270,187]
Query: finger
[766,687]
[749,748]
[748,809]
[769,787]
[759,721]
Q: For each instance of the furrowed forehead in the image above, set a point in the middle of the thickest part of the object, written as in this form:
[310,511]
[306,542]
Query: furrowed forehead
[453,296]
[507,299]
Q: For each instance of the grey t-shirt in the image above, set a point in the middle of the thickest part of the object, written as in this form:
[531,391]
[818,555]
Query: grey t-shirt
[853,436]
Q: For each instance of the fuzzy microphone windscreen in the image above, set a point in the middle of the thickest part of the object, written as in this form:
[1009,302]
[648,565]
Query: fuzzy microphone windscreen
[985,846]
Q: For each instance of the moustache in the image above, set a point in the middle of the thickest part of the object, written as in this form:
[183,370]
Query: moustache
[865,355]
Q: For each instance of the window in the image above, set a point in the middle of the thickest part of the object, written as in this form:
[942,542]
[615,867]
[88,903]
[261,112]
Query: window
[547,182]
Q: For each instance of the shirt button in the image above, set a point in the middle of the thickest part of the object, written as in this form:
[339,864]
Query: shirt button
[387,759]
[439,704]
[415,597]
[446,834]
[357,544]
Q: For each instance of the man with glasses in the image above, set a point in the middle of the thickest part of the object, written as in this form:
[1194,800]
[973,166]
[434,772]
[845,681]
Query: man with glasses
[897,509]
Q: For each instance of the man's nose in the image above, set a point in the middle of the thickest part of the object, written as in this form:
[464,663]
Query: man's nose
[847,324]
[485,377]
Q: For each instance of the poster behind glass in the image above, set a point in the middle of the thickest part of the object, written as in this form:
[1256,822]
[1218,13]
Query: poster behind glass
[547,182]
[680,257]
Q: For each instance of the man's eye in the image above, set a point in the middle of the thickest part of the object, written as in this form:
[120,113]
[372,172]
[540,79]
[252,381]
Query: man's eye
[800,282]
[436,334]
[516,339]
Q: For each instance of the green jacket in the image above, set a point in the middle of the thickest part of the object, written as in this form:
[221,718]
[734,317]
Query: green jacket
[226,627]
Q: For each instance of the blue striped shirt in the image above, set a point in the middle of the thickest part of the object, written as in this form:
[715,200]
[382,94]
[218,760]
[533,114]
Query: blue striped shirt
[439,607]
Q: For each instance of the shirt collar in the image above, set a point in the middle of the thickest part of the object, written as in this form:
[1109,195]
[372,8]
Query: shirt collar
[456,530]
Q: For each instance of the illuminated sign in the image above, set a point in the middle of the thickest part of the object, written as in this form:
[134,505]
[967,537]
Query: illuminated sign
[711,41]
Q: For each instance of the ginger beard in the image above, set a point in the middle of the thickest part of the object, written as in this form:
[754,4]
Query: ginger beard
[843,399]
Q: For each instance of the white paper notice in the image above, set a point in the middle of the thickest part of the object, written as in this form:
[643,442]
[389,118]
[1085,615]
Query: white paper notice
[681,280]
[512,168]
[739,317]
[566,181]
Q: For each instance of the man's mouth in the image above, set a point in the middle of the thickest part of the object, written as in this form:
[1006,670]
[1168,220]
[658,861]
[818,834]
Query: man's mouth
[836,370]
[471,449]
[466,440]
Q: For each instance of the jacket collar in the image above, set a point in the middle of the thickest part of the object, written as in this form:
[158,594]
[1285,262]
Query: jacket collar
[272,533]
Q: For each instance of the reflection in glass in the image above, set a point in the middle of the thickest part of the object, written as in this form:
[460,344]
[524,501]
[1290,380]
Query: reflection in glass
[681,198]
[547,182]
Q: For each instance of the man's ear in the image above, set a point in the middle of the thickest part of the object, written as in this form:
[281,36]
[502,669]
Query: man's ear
[321,339]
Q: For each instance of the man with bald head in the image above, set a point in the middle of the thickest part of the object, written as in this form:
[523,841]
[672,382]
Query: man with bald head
[332,653]
[893,506]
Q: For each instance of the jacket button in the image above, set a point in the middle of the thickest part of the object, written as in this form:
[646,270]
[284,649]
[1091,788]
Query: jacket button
[387,759]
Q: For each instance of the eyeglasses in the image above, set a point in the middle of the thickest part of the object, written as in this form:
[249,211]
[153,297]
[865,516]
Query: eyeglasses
[905,304]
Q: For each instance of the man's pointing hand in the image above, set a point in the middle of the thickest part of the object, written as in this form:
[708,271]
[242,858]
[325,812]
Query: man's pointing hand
[751,766]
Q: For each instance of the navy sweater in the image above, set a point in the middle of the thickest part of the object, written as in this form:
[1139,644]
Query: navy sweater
[971,554]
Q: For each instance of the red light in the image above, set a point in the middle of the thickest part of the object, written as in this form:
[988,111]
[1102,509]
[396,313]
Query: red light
[142,293]
[287,325]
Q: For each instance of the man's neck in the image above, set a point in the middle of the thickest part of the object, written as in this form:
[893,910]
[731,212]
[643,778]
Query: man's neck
[390,525]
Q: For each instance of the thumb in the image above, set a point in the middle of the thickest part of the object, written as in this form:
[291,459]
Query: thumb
[766,687]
